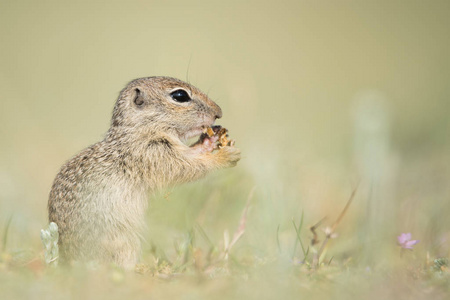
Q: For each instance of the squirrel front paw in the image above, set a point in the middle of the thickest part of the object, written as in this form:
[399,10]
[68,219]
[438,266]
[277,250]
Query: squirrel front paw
[228,156]
[205,144]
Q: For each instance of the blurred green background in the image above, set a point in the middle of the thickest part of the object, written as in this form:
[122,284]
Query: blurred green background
[319,95]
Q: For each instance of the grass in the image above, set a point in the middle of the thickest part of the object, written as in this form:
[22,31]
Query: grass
[196,256]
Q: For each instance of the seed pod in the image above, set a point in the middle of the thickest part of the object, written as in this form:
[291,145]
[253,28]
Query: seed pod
[209,131]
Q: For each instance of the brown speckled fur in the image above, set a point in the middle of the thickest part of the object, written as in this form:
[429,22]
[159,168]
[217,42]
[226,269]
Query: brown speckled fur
[99,197]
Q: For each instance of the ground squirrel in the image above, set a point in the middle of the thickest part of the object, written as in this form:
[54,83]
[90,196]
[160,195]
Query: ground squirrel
[99,197]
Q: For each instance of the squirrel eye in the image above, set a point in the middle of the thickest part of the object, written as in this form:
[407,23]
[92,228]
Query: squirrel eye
[180,96]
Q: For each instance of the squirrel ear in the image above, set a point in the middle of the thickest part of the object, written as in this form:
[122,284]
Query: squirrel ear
[138,98]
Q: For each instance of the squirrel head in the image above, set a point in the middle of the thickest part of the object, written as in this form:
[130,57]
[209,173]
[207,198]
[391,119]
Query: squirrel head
[164,104]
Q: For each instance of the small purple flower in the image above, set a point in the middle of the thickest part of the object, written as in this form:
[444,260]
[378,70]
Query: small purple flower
[404,240]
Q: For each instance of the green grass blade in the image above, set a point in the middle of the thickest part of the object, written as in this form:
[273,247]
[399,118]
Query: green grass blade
[204,235]
[278,238]
[297,231]
[5,233]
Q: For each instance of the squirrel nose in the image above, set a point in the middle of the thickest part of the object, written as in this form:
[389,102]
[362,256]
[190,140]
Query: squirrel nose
[218,112]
